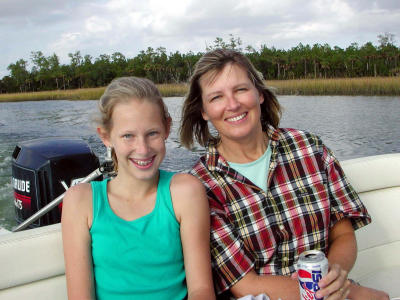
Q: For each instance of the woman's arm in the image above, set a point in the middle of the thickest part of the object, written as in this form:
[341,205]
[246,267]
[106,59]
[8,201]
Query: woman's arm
[192,211]
[343,252]
[342,245]
[76,221]
[275,286]
[342,255]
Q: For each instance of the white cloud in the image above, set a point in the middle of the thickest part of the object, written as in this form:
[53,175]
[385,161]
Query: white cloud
[95,24]
[128,26]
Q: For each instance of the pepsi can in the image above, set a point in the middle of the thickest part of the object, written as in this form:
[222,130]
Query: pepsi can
[311,266]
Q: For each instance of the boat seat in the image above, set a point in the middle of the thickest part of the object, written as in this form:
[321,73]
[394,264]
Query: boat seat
[377,181]
[32,264]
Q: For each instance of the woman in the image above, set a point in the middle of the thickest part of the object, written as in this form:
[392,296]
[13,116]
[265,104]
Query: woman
[143,234]
[273,192]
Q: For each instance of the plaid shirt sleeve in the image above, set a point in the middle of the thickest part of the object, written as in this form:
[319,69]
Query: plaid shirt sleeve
[345,202]
[231,260]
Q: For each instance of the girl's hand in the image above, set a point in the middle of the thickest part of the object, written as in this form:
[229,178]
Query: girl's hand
[334,285]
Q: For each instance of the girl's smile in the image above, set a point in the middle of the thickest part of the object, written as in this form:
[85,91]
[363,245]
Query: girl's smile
[143,163]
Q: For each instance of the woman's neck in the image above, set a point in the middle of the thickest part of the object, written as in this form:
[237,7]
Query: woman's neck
[243,151]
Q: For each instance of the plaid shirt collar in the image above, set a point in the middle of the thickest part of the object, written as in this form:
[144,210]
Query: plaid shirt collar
[217,163]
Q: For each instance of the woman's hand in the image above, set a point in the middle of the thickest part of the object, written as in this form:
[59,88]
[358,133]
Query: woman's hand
[334,285]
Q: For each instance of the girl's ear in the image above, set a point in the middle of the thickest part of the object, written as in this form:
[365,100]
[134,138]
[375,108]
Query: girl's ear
[104,136]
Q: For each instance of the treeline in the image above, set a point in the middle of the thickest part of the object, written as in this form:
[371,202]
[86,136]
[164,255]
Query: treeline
[302,61]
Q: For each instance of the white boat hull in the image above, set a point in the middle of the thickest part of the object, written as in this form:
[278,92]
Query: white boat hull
[32,263]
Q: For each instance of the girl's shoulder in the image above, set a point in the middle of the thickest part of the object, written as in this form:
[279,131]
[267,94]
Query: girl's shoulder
[78,201]
[187,194]
[79,193]
[185,183]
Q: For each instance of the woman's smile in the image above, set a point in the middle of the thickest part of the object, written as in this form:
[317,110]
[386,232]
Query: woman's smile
[236,118]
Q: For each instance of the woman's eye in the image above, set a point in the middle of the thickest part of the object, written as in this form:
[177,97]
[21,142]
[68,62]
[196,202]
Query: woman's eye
[153,133]
[127,136]
[215,98]
[242,89]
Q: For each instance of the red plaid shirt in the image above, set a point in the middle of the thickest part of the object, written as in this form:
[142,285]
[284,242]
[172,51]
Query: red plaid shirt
[307,193]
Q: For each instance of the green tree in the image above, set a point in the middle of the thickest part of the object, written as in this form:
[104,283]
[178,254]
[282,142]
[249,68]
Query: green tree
[76,70]
[40,69]
[55,69]
[20,74]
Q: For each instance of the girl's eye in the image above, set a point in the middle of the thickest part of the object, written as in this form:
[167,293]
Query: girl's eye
[127,136]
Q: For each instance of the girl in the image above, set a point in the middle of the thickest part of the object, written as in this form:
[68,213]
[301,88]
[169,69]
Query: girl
[145,233]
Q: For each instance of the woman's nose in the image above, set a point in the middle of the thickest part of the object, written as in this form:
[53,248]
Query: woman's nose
[232,103]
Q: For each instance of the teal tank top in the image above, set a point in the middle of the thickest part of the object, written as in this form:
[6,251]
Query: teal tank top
[139,259]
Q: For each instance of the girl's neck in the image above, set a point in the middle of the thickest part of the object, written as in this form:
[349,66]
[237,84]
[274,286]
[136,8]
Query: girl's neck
[244,151]
[133,188]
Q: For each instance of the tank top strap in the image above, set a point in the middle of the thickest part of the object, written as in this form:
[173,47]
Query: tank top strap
[164,192]
[99,196]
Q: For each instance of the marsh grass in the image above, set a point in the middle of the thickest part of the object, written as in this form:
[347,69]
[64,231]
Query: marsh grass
[78,94]
[367,86]
[173,90]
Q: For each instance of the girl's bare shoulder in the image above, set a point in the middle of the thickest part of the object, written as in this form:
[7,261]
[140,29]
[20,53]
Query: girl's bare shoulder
[188,196]
[186,184]
[78,199]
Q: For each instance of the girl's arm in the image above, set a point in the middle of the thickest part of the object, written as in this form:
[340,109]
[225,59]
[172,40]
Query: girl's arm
[192,211]
[76,221]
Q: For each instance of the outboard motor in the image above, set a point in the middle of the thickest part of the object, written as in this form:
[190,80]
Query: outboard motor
[42,169]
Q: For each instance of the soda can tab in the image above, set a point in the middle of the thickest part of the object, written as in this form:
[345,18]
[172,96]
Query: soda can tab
[311,266]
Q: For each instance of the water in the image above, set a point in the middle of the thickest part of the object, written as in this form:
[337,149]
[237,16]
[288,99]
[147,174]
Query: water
[351,126]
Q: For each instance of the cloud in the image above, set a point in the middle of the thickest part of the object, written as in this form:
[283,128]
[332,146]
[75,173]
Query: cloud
[105,26]
[96,25]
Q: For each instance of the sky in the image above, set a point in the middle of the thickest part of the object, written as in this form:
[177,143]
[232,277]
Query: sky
[97,27]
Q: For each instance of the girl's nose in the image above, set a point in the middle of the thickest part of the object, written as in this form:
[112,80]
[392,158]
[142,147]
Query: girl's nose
[142,146]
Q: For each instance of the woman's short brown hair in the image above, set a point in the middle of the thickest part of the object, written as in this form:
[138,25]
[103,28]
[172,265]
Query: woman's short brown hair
[192,123]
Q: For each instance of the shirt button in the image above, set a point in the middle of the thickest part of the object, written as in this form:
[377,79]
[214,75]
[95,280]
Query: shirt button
[281,227]
[285,259]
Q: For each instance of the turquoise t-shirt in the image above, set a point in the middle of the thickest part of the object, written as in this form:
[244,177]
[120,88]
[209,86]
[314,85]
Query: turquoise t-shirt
[256,171]
[139,259]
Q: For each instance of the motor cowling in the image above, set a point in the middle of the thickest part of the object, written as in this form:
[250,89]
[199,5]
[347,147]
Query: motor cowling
[42,169]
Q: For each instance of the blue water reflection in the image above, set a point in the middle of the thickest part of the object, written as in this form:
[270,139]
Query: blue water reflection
[351,126]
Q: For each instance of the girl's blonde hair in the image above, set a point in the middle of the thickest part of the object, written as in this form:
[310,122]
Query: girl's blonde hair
[123,90]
